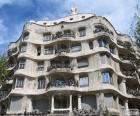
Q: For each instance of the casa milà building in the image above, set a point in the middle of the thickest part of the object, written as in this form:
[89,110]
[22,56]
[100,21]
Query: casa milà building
[76,63]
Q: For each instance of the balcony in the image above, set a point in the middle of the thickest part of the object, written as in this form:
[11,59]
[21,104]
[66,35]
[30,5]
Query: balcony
[3,94]
[63,36]
[60,67]
[130,74]
[61,51]
[133,91]
[130,112]
[62,83]
[12,51]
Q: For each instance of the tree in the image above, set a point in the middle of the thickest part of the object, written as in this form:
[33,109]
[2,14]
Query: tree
[135,27]
[3,71]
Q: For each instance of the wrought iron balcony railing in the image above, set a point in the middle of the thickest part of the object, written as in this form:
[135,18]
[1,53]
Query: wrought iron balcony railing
[65,35]
[133,91]
[55,66]
[62,83]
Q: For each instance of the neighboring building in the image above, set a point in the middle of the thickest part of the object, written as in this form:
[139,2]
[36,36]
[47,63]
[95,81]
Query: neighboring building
[76,62]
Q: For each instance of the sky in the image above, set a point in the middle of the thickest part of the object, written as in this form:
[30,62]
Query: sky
[14,14]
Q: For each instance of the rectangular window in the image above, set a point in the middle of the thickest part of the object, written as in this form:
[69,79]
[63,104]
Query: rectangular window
[48,50]
[19,82]
[40,66]
[21,64]
[47,37]
[91,44]
[112,49]
[75,47]
[83,80]
[23,48]
[82,32]
[105,59]
[41,83]
[105,77]
[82,62]
[38,50]
[102,43]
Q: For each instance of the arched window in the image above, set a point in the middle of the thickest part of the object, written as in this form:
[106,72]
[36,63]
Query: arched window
[23,47]
[41,83]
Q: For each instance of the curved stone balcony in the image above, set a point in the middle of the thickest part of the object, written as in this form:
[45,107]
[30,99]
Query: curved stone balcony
[61,37]
[13,51]
[10,66]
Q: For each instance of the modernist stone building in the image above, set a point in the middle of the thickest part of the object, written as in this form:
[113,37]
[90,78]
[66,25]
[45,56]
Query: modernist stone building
[79,62]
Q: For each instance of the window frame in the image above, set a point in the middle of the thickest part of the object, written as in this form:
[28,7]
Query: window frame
[41,83]
[85,83]
[40,66]
[19,82]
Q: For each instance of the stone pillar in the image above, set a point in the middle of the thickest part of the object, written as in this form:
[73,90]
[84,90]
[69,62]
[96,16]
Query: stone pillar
[30,107]
[52,104]
[70,106]
[98,100]
[117,102]
[79,102]
[124,86]
[127,108]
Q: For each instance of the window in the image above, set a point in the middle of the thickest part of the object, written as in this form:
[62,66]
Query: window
[82,31]
[19,82]
[112,49]
[82,62]
[23,48]
[41,83]
[91,44]
[48,50]
[76,47]
[40,66]
[105,77]
[26,36]
[99,28]
[21,64]
[38,51]
[83,80]
[102,43]
[105,59]
[47,37]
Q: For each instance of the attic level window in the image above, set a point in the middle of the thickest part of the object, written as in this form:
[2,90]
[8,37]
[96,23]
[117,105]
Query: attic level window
[44,23]
[26,36]
[82,31]
[83,17]
[47,37]
[71,18]
[55,23]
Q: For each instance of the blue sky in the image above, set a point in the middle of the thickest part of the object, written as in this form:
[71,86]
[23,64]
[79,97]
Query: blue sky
[14,13]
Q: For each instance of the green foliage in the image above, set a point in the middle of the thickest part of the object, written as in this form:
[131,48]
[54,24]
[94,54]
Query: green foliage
[135,27]
[3,71]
